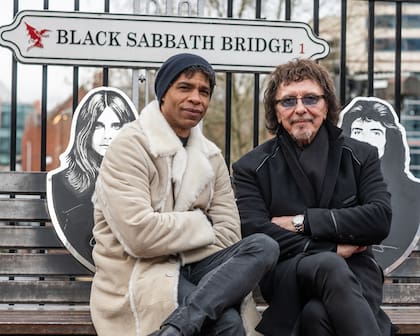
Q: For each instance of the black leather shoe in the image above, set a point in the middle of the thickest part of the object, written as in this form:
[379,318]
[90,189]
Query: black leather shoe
[167,330]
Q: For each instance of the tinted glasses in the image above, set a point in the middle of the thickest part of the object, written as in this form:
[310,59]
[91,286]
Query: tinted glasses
[308,100]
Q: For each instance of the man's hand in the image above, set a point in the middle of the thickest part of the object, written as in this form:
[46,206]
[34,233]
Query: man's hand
[284,222]
[346,251]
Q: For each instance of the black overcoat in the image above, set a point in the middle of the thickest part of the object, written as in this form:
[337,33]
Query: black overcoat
[353,208]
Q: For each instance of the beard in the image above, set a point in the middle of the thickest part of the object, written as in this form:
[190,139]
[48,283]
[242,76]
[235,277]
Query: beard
[303,136]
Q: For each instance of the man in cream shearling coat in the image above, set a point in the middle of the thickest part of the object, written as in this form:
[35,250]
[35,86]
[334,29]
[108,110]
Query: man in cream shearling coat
[168,255]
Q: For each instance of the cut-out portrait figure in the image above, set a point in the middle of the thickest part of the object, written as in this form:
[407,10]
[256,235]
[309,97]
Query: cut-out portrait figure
[98,118]
[373,120]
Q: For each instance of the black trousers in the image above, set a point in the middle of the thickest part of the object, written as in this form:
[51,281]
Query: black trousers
[335,304]
[321,294]
[210,290]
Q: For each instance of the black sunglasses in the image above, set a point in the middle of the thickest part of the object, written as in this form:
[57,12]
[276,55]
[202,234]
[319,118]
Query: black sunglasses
[309,100]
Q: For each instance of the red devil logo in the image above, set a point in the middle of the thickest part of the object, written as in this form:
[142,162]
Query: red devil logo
[35,36]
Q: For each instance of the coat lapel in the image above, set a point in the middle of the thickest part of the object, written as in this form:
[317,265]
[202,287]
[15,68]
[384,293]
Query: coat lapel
[197,173]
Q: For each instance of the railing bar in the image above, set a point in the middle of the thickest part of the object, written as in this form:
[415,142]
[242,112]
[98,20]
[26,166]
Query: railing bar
[75,100]
[13,105]
[316,17]
[256,122]
[343,54]
[105,70]
[398,51]
[371,46]
[228,103]
[288,9]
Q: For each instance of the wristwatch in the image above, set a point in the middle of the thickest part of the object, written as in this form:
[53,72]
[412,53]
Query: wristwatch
[297,222]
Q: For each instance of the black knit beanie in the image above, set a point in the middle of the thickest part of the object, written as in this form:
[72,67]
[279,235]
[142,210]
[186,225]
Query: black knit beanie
[173,66]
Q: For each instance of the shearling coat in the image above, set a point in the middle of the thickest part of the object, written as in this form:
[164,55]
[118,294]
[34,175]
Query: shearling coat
[354,208]
[152,202]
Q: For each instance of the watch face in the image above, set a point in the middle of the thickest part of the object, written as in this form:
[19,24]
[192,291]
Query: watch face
[298,223]
[298,220]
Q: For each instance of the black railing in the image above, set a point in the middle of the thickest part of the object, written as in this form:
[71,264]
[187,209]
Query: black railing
[344,77]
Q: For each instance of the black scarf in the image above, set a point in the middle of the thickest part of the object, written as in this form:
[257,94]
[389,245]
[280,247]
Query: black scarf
[313,159]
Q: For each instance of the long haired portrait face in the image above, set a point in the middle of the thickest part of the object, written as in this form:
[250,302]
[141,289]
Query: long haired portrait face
[97,120]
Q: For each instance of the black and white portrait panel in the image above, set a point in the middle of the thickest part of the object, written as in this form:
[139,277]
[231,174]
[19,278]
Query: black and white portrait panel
[375,121]
[98,118]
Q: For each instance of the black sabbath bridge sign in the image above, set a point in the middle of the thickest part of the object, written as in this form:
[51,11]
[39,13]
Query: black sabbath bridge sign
[145,41]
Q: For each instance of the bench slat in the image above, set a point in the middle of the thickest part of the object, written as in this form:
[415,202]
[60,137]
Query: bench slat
[44,291]
[22,209]
[23,182]
[46,322]
[40,264]
[44,237]
[402,293]
[407,318]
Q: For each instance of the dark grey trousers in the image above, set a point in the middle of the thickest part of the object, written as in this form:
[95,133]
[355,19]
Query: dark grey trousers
[211,290]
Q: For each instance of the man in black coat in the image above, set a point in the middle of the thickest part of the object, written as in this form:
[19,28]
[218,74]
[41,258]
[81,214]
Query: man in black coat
[322,197]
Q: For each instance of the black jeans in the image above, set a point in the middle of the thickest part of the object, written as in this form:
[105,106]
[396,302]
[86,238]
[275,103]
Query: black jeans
[327,294]
[210,290]
[336,304]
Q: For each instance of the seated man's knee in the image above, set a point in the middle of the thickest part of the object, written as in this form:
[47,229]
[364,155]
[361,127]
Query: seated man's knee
[267,247]
[330,262]
[325,267]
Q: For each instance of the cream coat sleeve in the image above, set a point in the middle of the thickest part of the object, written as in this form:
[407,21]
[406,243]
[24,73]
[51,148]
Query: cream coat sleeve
[223,213]
[123,195]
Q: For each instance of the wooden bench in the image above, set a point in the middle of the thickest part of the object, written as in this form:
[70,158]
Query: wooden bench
[44,290]
[402,294]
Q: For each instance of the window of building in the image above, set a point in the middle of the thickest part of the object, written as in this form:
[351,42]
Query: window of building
[23,109]
[389,21]
[385,21]
[388,44]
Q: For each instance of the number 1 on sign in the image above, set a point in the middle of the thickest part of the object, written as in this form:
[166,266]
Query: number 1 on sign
[301,48]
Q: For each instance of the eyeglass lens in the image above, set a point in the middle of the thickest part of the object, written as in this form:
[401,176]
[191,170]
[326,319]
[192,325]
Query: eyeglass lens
[309,100]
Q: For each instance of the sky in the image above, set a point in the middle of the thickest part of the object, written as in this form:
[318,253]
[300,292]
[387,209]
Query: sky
[60,78]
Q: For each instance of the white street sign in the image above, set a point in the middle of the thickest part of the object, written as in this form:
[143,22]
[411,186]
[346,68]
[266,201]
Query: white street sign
[120,40]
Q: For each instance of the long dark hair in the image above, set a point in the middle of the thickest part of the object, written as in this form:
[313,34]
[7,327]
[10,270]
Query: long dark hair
[297,71]
[368,109]
[83,161]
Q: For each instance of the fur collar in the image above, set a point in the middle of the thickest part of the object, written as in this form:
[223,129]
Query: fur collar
[191,170]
